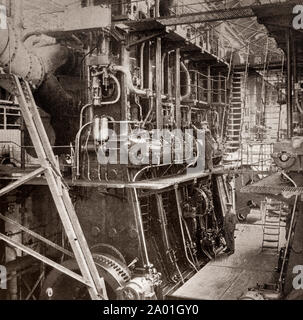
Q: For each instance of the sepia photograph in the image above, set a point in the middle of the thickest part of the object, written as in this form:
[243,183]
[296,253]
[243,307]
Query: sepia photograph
[151,150]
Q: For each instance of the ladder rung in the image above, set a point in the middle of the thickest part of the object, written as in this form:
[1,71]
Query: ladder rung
[271,242]
[271,227]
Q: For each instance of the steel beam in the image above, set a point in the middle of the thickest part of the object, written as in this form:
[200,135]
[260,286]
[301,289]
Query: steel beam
[21,181]
[206,16]
[289,85]
[44,259]
[37,236]
[158,84]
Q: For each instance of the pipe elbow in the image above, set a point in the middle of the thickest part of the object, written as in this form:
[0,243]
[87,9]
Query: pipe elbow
[129,81]
[188,83]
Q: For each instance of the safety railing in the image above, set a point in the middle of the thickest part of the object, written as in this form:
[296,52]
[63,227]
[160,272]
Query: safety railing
[9,115]
[204,87]
[254,155]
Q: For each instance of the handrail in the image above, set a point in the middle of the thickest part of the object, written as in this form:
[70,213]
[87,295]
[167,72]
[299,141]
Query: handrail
[290,231]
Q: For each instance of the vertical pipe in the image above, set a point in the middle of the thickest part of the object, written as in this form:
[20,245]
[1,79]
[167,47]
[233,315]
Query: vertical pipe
[233,184]
[124,93]
[169,78]
[178,89]
[289,86]
[22,144]
[11,254]
[142,64]
[139,222]
[157,8]
[295,73]
[164,74]
[180,215]
[220,88]
[209,91]
[158,84]
[150,67]
[197,85]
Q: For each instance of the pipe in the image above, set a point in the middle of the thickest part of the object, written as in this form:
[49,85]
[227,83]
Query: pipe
[181,227]
[103,102]
[141,64]
[12,285]
[29,62]
[77,147]
[188,83]
[163,71]
[129,81]
[16,58]
[289,86]
[140,226]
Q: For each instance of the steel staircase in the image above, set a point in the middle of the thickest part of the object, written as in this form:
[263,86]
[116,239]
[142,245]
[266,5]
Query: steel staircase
[49,167]
[271,226]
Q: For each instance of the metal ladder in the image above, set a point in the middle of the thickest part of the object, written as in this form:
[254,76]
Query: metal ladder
[235,114]
[59,190]
[271,228]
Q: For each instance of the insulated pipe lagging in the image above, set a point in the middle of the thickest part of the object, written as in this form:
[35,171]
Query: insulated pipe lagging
[32,63]
[16,58]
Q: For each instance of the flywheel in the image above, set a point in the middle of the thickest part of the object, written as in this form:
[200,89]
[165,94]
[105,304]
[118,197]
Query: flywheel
[58,286]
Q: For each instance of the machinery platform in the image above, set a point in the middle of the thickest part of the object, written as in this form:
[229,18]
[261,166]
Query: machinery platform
[8,173]
[229,277]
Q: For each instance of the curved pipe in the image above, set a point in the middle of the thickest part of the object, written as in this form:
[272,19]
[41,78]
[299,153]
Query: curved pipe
[77,147]
[179,209]
[16,58]
[29,62]
[103,102]
[188,83]
[129,81]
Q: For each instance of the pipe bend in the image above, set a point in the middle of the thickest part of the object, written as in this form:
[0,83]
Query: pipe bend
[188,82]
[131,87]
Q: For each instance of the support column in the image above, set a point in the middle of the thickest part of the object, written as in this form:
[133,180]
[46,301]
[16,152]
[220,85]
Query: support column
[220,88]
[157,8]
[124,93]
[159,113]
[209,92]
[289,85]
[178,89]
[296,253]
